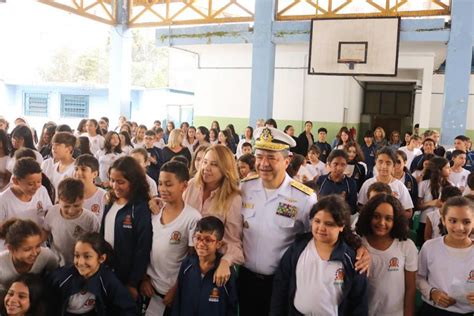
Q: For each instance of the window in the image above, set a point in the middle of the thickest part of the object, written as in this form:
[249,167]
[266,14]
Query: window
[35,104]
[74,105]
[180,113]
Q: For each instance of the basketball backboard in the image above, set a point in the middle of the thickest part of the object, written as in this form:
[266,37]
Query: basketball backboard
[354,46]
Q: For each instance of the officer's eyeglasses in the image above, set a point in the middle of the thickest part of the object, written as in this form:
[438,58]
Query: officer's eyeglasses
[206,239]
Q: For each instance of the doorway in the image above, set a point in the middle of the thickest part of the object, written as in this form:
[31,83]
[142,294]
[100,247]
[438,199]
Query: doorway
[388,105]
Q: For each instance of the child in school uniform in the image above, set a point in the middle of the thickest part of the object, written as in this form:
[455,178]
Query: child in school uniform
[106,157]
[316,275]
[126,223]
[445,265]
[384,230]
[87,170]
[26,198]
[173,229]
[458,175]
[96,140]
[155,156]
[316,167]
[141,156]
[63,166]
[433,219]
[66,220]
[197,293]
[89,287]
[24,253]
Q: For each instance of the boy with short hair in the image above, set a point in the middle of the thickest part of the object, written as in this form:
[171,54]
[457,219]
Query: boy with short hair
[86,169]
[159,141]
[63,144]
[197,294]
[173,229]
[155,156]
[141,156]
[67,220]
[378,188]
[411,149]
[247,148]
[324,147]
[458,175]
[336,182]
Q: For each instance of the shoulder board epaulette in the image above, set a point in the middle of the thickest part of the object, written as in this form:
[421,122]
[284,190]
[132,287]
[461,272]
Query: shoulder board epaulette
[256,176]
[300,186]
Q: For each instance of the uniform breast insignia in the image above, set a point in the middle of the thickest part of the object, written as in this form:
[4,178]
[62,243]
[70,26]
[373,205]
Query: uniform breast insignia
[287,210]
[175,238]
[214,296]
[393,264]
[254,177]
[248,205]
[301,187]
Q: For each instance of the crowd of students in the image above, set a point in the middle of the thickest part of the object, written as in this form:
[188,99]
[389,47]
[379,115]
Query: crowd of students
[153,221]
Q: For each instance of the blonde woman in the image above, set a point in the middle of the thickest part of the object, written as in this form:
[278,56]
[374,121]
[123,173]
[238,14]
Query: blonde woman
[175,147]
[379,137]
[215,191]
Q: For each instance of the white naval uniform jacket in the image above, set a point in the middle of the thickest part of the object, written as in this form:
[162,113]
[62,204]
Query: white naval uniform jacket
[270,226]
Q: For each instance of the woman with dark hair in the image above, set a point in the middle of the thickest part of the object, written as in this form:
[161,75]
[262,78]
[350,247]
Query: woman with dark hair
[290,130]
[125,142]
[21,137]
[213,136]
[202,136]
[126,223]
[81,128]
[305,139]
[83,145]
[248,138]
[225,138]
[231,128]
[169,128]
[344,136]
[356,168]
[24,296]
[215,125]
[44,145]
[401,172]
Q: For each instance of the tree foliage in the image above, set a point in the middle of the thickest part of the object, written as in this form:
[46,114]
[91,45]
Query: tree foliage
[149,64]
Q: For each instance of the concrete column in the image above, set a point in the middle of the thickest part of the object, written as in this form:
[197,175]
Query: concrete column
[120,64]
[458,70]
[263,62]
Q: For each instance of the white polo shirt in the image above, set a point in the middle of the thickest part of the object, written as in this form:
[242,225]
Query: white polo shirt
[399,190]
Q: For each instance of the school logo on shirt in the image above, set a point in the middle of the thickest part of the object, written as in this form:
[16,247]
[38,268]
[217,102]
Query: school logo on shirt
[339,276]
[77,231]
[393,264]
[408,185]
[175,238]
[39,208]
[214,296]
[127,222]
[286,210]
[470,278]
[95,208]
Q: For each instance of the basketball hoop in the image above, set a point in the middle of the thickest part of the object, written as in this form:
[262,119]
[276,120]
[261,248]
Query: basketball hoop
[350,62]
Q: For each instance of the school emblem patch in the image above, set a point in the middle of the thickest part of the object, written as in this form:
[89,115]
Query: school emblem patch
[286,210]
[175,238]
[127,222]
[470,279]
[95,208]
[339,276]
[393,264]
[214,296]
[77,231]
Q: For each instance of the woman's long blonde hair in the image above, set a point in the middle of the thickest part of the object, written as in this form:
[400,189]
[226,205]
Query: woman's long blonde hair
[175,139]
[229,186]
